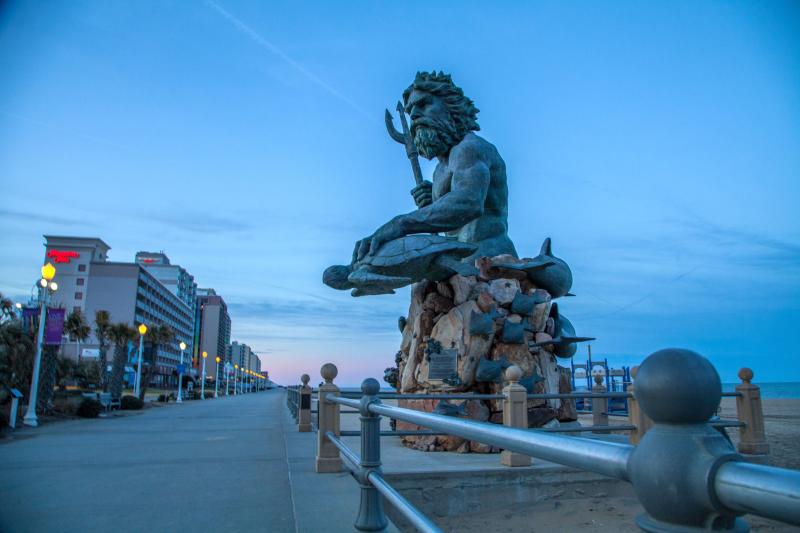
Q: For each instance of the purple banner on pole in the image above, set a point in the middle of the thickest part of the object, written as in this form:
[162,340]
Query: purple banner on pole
[54,327]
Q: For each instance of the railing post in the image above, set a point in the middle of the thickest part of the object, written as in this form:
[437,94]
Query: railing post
[328,459]
[599,405]
[515,414]
[370,511]
[304,417]
[636,417]
[752,439]
[295,395]
[674,466]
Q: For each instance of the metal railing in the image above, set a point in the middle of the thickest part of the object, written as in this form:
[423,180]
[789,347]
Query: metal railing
[710,484]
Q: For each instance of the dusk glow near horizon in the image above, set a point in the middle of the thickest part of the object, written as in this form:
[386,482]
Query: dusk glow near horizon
[658,145]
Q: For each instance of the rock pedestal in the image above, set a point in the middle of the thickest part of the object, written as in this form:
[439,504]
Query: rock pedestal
[462,333]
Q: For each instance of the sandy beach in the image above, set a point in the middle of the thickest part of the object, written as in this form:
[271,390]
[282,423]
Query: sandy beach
[576,511]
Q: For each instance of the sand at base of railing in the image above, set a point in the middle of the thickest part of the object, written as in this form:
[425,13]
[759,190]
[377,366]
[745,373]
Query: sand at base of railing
[596,512]
[781,422]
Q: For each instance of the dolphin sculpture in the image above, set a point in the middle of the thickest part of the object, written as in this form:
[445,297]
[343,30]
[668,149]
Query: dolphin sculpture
[555,278]
[564,340]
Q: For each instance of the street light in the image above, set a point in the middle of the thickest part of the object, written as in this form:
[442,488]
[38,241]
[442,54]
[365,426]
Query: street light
[203,383]
[48,273]
[216,378]
[227,368]
[235,370]
[180,372]
[138,383]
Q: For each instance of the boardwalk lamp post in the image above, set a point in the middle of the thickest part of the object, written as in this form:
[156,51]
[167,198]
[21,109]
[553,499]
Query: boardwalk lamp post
[138,383]
[235,370]
[216,378]
[227,367]
[46,286]
[203,381]
[180,373]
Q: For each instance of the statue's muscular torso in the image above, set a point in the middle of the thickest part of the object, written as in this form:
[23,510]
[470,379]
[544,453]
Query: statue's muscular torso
[470,199]
[490,229]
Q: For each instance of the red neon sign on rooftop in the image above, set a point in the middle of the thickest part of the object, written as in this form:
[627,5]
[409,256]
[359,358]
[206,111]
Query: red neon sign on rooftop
[62,256]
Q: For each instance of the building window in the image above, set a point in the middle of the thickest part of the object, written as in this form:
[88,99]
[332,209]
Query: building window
[81,268]
[80,281]
[79,296]
[76,309]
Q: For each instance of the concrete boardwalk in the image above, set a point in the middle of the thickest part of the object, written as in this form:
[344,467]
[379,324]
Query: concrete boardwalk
[230,464]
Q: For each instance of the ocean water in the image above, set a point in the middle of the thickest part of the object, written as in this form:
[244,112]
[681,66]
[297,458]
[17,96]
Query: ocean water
[772,390]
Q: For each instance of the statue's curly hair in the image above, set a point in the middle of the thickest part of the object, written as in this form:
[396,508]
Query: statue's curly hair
[462,109]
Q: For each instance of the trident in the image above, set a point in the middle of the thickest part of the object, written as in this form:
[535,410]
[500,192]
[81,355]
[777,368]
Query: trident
[405,139]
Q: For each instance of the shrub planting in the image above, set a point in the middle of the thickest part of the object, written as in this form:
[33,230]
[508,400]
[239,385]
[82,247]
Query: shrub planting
[89,408]
[131,403]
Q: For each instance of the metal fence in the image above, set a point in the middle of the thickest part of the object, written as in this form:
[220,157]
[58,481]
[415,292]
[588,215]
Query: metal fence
[684,472]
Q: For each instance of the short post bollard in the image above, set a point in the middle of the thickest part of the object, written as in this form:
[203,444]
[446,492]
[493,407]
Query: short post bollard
[636,417]
[371,516]
[515,414]
[599,405]
[672,467]
[752,439]
[328,459]
[304,416]
[12,415]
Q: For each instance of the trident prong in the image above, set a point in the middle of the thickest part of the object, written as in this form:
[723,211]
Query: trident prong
[405,139]
[393,133]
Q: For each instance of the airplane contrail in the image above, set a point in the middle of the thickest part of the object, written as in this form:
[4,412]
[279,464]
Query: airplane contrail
[250,32]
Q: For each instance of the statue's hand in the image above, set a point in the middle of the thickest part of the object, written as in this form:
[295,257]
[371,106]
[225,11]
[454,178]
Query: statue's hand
[361,249]
[369,245]
[423,193]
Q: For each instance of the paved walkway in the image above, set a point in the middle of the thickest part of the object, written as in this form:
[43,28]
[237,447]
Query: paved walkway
[230,464]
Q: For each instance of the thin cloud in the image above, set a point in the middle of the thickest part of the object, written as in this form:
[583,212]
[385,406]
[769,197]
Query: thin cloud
[202,223]
[69,131]
[261,41]
[37,217]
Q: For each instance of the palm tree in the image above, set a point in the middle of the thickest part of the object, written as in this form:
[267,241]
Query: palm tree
[17,348]
[6,308]
[75,326]
[120,334]
[102,326]
[156,336]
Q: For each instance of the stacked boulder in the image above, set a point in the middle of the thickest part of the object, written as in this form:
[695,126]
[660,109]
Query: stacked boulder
[462,333]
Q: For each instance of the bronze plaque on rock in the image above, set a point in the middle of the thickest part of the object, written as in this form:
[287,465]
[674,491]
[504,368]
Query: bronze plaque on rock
[443,364]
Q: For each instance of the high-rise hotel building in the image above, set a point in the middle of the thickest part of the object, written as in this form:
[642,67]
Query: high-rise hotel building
[130,292]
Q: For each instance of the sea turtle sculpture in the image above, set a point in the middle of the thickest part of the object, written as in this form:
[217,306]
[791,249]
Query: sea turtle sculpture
[401,262]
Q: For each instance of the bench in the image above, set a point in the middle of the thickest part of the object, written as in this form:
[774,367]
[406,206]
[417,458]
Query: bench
[107,401]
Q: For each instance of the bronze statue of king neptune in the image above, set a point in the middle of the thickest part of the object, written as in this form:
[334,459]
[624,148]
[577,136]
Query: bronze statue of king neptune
[467,200]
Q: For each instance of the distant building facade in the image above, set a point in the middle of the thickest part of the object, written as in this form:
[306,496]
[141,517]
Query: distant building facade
[241,354]
[174,277]
[212,331]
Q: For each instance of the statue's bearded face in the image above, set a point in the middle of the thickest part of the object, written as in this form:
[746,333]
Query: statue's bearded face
[431,125]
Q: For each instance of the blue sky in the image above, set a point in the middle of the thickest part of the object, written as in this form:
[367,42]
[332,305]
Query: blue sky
[658,144]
